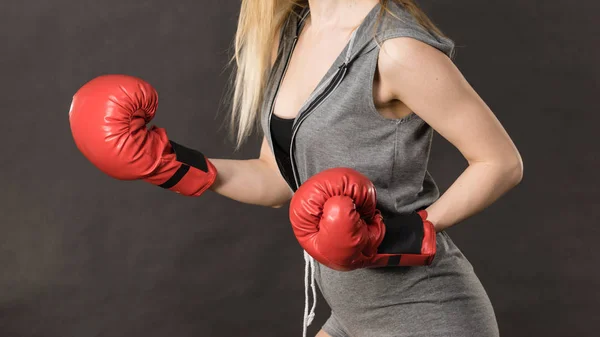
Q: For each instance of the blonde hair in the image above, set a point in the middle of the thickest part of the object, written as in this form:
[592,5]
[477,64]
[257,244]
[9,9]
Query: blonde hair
[258,26]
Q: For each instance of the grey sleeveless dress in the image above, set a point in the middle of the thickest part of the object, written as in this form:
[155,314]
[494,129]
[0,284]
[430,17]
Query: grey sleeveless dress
[339,126]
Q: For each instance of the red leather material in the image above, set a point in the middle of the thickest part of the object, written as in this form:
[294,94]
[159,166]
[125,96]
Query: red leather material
[429,243]
[109,117]
[334,217]
[332,213]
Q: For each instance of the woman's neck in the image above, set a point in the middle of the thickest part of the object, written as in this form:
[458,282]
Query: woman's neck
[338,14]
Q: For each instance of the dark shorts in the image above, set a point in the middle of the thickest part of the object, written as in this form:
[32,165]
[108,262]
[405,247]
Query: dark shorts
[444,299]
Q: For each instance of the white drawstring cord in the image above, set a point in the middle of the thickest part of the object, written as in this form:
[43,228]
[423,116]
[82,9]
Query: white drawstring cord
[309,263]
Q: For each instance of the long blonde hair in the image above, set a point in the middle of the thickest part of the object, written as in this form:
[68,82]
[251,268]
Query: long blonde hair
[258,26]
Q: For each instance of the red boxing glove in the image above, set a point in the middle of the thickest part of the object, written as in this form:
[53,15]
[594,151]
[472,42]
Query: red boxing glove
[108,120]
[335,219]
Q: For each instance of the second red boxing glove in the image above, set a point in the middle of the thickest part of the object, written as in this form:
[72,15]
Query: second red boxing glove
[109,117]
[335,219]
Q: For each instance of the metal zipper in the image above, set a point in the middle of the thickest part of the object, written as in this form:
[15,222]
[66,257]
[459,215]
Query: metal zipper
[333,83]
[330,85]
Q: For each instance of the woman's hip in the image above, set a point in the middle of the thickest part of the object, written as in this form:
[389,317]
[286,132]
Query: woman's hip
[414,299]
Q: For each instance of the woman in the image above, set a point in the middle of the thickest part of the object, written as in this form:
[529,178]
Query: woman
[363,84]
[359,84]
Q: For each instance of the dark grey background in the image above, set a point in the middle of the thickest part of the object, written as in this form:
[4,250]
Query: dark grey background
[84,255]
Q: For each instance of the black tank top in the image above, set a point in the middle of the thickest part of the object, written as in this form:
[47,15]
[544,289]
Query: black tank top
[281,131]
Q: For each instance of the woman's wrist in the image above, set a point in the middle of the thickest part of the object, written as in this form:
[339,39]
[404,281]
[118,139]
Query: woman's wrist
[431,217]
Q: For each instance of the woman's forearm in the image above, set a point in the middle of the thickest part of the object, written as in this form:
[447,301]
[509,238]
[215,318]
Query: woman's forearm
[250,181]
[476,188]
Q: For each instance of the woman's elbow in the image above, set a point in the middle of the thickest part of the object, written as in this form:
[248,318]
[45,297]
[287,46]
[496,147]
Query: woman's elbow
[277,199]
[277,204]
[515,170]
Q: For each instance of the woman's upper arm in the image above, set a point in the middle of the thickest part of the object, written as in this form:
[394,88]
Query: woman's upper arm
[429,83]
[267,155]
[277,182]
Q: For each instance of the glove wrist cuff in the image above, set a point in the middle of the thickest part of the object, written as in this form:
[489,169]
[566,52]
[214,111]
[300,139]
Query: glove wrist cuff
[410,239]
[404,233]
[194,175]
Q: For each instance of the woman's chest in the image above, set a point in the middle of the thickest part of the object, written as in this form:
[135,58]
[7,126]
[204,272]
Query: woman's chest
[309,69]
[306,67]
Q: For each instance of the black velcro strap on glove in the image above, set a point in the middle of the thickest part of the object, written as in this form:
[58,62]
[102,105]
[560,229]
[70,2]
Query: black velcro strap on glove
[188,157]
[404,234]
